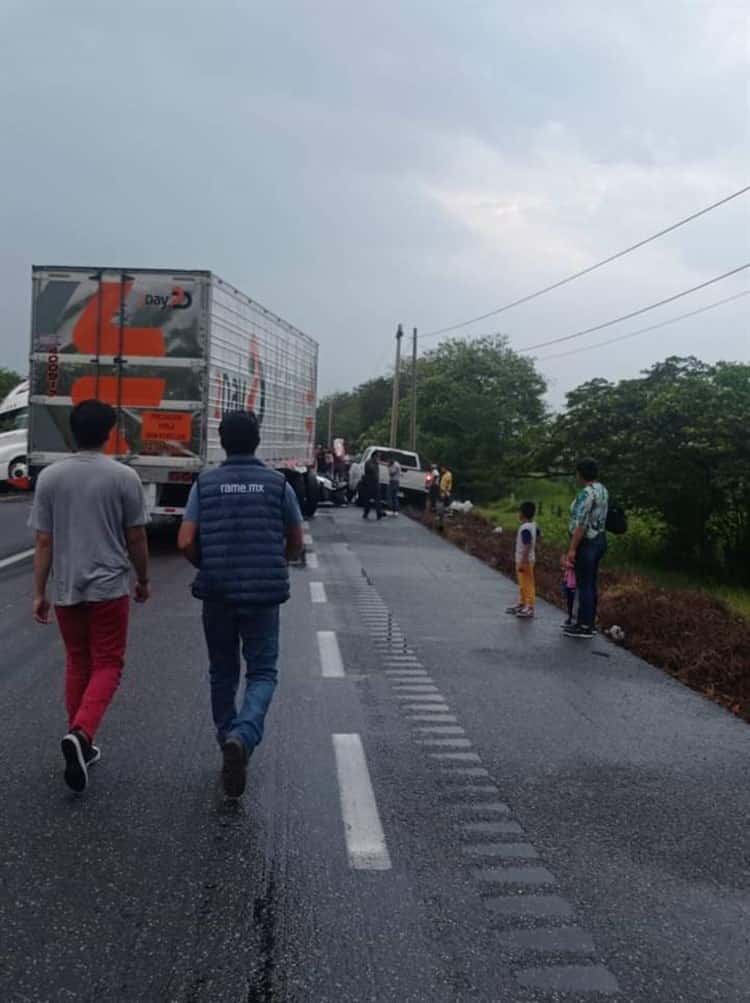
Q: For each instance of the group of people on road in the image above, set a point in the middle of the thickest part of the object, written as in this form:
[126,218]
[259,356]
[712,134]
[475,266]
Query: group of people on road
[371,491]
[242,526]
[579,565]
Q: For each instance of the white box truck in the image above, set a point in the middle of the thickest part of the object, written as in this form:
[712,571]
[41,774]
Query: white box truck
[172,352]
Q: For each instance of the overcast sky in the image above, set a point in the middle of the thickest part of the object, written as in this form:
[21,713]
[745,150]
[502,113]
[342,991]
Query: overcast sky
[351,166]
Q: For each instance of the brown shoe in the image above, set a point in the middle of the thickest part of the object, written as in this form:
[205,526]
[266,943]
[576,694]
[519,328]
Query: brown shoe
[234,768]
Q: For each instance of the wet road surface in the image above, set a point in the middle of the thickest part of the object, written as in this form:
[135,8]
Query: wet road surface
[449,804]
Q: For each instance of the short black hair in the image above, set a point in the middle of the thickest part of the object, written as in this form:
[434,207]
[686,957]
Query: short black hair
[239,432]
[587,468]
[527,509]
[91,421]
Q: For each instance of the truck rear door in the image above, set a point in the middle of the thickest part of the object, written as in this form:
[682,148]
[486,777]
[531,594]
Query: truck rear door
[133,339]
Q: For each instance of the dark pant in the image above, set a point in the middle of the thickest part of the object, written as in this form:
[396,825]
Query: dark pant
[394,490]
[95,635]
[371,497]
[589,553]
[256,630]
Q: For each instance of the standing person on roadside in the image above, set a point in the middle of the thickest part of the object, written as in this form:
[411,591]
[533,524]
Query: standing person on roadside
[444,498]
[89,515]
[433,487]
[242,526]
[370,486]
[446,486]
[394,483]
[525,558]
[588,544]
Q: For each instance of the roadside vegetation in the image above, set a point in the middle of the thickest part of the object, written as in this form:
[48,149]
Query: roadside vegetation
[674,451]
[689,633]
[9,380]
[643,551]
[672,446]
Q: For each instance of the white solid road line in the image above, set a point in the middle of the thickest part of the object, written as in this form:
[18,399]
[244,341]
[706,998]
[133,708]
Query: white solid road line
[365,839]
[318,592]
[16,558]
[312,560]
[331,664]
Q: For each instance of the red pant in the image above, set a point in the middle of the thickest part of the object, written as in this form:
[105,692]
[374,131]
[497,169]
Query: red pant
[95,634]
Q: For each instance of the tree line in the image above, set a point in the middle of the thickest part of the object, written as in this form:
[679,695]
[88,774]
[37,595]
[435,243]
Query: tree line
[672,442]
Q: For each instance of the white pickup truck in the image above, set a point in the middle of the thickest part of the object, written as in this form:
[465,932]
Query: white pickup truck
[413,486]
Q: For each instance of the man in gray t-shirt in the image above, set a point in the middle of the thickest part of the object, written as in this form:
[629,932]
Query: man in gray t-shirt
[89,515]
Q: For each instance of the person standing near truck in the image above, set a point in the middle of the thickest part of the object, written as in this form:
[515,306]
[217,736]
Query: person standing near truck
[432,483]
[89,515]
[370,488]
[394,483]
[242,526]
[446,486]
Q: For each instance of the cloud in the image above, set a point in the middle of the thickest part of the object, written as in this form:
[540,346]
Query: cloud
[355,167]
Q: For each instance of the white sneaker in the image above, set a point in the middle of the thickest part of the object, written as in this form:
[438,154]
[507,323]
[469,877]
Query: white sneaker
[525,611]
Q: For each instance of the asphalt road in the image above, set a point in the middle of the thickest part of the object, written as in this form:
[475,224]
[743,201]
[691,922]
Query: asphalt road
[15,536]
[449,804]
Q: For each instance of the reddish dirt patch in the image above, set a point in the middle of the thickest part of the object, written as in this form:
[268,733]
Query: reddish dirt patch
[694,637]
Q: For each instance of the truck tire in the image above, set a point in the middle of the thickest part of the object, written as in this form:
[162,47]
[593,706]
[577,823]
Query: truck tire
[310,487]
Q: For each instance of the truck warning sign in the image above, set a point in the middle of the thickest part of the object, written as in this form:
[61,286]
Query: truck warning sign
[167,426]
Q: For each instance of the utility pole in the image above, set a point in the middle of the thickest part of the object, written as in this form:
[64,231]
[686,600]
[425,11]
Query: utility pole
[330,422]
[396,388]
[413,436]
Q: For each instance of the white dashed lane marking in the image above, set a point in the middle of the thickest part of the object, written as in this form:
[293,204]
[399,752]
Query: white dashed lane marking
[486,828]
[6,562]
[331,663]
[318,592]
[312,560]
[365,839]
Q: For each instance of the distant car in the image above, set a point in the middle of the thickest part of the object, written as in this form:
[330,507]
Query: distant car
[413,486]
[14,422]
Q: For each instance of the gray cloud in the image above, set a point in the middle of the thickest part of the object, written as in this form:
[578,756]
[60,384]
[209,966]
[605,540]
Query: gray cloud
[352,167]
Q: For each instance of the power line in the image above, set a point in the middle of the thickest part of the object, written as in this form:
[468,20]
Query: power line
[591,268]
[633,313]
[645,330]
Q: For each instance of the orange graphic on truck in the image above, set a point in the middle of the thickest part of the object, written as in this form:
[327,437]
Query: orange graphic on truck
[98,332]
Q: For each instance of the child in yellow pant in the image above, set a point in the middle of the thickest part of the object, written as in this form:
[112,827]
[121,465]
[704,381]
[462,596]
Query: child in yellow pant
[526,541]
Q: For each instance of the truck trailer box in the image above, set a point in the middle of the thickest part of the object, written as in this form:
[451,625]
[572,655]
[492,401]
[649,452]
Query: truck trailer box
[172,352]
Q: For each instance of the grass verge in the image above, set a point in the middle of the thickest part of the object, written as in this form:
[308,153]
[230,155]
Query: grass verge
[694,636]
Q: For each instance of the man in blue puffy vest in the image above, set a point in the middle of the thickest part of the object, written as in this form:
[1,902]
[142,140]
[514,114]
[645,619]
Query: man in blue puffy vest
[242,526]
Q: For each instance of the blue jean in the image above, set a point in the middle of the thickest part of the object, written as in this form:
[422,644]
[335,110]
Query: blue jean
[588,556]
[394,489]
[256,630]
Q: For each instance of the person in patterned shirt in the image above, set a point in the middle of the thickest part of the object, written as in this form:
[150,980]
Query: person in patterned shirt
[588,544]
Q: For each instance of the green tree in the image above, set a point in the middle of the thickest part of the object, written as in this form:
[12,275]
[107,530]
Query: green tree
[673,442]
[356,411]
[8,380]
[480,411]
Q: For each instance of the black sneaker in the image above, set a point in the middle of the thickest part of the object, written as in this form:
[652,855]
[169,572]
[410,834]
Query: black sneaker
[234,768]
[93,755]
[567,623]
[75,748]
[577,631]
